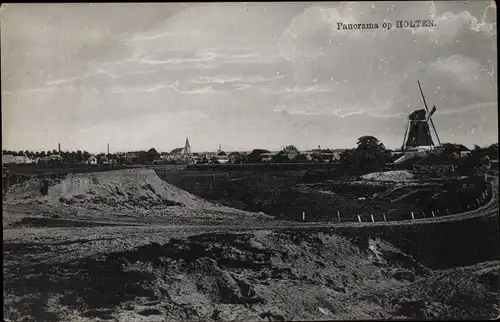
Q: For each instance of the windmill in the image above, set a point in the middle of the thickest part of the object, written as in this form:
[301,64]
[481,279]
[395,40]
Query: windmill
[417,141]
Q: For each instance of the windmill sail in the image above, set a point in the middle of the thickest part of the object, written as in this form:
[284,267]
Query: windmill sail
[431,113]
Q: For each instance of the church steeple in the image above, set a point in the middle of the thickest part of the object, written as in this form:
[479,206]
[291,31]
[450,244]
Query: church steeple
[187,147]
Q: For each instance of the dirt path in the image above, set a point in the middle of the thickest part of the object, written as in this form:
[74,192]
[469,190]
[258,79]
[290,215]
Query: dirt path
[77,239]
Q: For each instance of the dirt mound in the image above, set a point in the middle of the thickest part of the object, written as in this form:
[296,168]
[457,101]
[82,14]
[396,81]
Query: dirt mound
[288,275]
[130,185]
[397,176]
[138,190]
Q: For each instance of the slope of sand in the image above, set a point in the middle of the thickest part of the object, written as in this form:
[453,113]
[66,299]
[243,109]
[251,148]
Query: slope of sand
[260,276]
[389,176]
[129,190]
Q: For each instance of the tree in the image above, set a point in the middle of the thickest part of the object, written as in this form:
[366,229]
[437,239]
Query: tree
[290,148]
[281,157]
[370,155]
[291,152]
[213,160]
[301,158]
[454,147]
[152,155]
[492,151]
[79,156]
[203,159]
[254,156]
[101,158]
[237,158]
[86,155]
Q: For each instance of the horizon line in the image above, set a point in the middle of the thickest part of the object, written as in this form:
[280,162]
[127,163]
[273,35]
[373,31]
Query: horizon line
[229,150]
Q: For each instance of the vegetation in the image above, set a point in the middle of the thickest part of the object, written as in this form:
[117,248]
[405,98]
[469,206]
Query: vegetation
[255,155]
[370,155]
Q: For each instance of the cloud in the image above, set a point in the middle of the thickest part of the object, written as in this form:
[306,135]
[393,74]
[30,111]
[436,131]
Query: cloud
[450,26]
[219,79]
[296,89]
[473,107]
[275,69]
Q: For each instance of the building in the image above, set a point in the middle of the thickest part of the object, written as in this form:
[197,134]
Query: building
[322,155]
[222,157]
[187,148]
[180,155]
[268,156]
[92,160]
[19,159]
[464,154]
[8,159]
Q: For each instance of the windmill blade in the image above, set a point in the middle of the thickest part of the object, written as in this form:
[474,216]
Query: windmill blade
[423,97]
[427,109]
[431,113]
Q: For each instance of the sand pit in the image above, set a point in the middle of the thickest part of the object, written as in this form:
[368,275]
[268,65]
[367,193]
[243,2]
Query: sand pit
[386,176]
[136,190]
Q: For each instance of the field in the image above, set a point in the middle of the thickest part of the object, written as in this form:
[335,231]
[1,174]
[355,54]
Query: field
[286,194]
[198,245]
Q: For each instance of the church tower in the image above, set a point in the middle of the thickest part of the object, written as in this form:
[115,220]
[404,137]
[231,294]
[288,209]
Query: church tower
[187,147]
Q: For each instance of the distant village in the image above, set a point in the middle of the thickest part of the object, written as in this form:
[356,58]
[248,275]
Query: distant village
[182,155]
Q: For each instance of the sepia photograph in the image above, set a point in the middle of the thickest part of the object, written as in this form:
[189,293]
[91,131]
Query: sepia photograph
[250,161]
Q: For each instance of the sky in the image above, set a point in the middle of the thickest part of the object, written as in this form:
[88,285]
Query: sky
[243,75]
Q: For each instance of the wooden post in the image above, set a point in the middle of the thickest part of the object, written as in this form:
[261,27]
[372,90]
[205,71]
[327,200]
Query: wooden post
[412,216]
[433,215]
[373,220]
[385,219]
[303,216]
[338,215]
[359,218]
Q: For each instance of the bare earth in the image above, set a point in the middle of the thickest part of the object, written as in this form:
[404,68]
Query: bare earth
[126,246]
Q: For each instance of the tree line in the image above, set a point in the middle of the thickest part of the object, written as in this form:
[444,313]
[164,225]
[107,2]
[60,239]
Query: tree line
[370,155]
[67,156]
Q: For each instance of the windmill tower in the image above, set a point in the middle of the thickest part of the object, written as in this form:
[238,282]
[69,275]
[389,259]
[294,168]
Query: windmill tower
[187,148]
[418,140]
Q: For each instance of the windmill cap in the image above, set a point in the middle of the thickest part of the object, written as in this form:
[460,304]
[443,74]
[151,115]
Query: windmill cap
[418,115]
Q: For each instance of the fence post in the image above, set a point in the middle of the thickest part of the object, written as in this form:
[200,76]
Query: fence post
[359,218]
[412,216]
[433,215]
[373,220]
[338,215]
[303,216]
[385,219]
